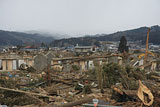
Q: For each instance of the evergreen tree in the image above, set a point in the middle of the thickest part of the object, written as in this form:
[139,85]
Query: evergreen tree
[123,45]
[43,44]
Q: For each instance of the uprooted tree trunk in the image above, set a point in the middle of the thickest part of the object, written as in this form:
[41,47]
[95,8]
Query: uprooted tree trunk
[75,103]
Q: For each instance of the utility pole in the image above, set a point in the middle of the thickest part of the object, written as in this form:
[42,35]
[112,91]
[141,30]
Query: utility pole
[100,78]
[146,52]
[49,75]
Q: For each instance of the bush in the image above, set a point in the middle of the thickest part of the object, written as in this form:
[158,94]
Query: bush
[113,73]
[75,67]
[92,74]
[127,76]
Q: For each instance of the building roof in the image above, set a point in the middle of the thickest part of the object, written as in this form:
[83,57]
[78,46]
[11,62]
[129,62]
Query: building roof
[83,47]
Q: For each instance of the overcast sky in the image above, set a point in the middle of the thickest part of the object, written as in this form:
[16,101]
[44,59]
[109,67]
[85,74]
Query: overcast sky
[78,17]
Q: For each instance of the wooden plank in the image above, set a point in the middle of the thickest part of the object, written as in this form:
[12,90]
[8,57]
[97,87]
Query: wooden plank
[25,92]
[79,102]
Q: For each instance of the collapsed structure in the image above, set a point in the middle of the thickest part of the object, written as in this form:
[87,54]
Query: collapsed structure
[84,77]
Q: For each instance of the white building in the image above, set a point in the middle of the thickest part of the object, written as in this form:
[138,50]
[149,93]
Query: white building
[85,49]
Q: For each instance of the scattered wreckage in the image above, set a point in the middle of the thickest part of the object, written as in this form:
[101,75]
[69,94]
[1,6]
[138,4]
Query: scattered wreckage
[79,89]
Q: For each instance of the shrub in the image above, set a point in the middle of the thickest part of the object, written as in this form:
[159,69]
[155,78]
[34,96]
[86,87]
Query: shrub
[75,67]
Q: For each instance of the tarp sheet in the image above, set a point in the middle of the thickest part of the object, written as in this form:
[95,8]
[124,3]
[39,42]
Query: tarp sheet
[143,89]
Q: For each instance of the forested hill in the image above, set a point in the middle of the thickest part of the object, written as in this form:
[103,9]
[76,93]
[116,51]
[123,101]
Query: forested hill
[132,35]
[19,38]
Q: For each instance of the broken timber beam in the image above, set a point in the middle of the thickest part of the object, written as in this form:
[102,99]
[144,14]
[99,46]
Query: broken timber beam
[25,92]
[128,92]
[79,102]
[62,81]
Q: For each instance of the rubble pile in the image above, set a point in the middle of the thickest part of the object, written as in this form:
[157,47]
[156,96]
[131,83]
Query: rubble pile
[120,87]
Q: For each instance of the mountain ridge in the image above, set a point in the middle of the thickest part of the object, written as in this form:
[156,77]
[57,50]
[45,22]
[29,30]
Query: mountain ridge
[20,38]
[138,34]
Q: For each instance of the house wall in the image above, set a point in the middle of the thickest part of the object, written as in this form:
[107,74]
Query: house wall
[40,62]
[4,65]
[83,66]
[90,64]
[83,50]
[30,63]
[154,66]
[78,50]
[49,57]
[14,64]
[9,65]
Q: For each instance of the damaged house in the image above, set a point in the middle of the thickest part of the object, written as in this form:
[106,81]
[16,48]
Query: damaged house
[85,49]
[13,62]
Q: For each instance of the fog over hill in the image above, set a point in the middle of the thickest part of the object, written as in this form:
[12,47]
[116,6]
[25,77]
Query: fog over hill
[49,34]
[138,34]
[60,40]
